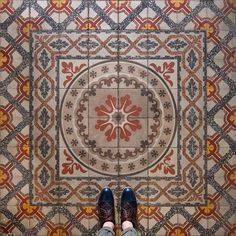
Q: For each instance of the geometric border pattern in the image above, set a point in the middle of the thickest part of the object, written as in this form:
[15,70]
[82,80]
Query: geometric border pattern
[189,188]
[216,17]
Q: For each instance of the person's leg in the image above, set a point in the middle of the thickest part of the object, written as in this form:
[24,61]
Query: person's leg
[106,231]
[128,212]
[129,232]
[106,213]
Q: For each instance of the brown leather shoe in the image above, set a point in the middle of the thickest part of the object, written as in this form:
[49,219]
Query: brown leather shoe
[129,206]
[106,207]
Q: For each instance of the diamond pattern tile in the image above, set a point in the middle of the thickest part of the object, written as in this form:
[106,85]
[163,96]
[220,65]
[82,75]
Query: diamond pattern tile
[117,93]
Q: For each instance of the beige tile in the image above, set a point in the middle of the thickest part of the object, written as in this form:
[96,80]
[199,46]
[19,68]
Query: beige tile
[50,224]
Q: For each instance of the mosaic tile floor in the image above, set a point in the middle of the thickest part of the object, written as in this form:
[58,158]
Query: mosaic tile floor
[119,93]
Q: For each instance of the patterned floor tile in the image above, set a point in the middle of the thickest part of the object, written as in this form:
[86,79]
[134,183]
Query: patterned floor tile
[18,18]
[113,142]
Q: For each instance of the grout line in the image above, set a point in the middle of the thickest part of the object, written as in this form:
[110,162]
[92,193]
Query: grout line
[148,184]
[88,66]
[118,104]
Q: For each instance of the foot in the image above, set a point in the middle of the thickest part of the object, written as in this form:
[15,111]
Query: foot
[128,206]
[105,207]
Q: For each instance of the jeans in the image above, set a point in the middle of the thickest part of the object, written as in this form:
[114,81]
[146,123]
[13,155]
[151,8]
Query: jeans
[106,231]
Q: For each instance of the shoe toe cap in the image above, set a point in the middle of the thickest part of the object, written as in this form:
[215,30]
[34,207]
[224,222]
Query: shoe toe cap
[106,195]
[128,195]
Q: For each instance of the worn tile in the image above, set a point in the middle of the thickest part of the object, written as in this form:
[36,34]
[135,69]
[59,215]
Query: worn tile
[67,152]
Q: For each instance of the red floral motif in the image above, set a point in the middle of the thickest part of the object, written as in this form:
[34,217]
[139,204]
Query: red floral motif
[59,231]
[231,58]
[24,89]
[211,147]
[4,59]
[177,4]
[4,4]
[165,165]
[209,208]
[117,116]
[231,118]
[88,25]
[209,27]
[119,5]
[71,70]
[26,208]
[165,69]
[4,118]
[59,4]
[24,147]
[231,176]
[177,231]
[148,23]
[27,27]
[71,165]
[4,176]
[232,4]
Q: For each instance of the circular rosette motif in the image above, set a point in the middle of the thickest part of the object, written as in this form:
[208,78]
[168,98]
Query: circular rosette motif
[118,118]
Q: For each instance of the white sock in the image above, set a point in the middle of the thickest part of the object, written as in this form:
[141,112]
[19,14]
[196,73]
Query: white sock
[127,224]
[109,224]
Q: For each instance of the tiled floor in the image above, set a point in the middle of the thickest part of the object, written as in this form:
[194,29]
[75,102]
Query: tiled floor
[117,93]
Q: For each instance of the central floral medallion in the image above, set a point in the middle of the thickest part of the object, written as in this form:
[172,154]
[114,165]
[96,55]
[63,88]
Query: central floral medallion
[118,115]
[112,124]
